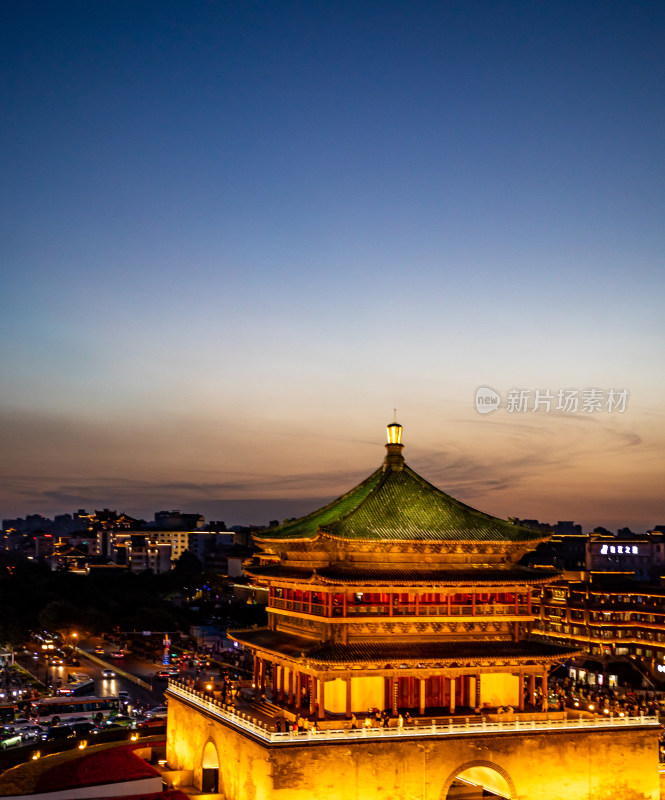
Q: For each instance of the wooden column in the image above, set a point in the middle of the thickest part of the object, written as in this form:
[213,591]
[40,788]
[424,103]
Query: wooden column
[348,697]
[298,691]
[473,604]
[280,684]
[478,695]
[532,689]
[448,599]
[311,681]
[322,698]
[417,611]
[291,685]
[256,671]
[274,679]
[391,597]
[544,688]
[521,698]
[263,675]
[344,603]
[452,696]
[310,601]
[421,704]
[394,694]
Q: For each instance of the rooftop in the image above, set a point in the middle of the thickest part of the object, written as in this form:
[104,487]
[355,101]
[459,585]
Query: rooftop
[396,504]
[398,652]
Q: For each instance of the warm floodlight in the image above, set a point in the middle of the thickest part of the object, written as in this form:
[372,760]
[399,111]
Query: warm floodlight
[394,432]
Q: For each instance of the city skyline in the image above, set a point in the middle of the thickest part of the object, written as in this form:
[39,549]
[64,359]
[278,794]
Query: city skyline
[237,236]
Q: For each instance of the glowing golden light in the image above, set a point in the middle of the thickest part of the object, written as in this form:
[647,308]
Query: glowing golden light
[36,755]
[394,432]
[591,706]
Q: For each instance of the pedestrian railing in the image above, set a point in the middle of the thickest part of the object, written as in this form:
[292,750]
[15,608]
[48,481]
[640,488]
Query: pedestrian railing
[333,730]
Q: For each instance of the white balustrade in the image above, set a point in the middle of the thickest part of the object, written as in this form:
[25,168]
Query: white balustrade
[465,727]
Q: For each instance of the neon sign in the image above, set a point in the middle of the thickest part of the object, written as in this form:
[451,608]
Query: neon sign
[621,549]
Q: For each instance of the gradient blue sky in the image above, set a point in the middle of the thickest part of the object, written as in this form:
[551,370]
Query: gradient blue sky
[236,235]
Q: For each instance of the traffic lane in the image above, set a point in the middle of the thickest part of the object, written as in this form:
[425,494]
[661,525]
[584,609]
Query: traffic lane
[139,696]
[111,687]
[54,676]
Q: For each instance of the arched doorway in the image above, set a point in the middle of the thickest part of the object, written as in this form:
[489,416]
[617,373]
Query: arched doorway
[210,769]
[478,780]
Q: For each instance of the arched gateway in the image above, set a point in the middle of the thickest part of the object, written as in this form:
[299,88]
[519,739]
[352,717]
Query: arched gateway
[478,780]
[210,768]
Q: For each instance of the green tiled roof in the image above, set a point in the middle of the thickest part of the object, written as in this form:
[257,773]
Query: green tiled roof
[307,527]
[397,504]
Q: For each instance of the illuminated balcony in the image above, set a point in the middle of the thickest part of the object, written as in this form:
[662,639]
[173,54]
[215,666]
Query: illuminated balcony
[339,730]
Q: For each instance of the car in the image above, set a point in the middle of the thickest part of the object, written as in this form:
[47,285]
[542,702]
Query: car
[117,654]
[124,696]
[119,719]
[56,732]
[82,728]
[151,723]
[162,675]
[173,672]
[103,727]
[78,677]
[29,733]
[99,651]
[108,673]
[157,711]
[10,740]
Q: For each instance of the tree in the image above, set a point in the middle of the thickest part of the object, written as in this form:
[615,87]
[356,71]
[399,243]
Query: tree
[61,616]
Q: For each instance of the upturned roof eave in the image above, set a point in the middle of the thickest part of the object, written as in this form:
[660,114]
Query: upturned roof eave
[307,654]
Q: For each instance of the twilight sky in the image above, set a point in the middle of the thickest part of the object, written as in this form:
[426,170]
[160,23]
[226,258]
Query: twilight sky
[236,235]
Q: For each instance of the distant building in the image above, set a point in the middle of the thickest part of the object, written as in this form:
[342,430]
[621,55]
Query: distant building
[145,553]
[644,556]
[176,521]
